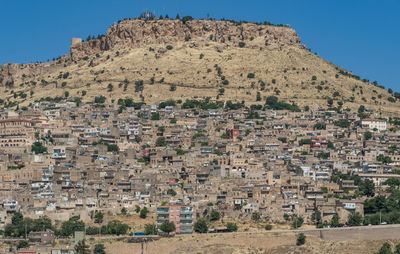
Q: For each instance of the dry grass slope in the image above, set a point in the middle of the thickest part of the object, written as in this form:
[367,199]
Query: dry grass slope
[200,68]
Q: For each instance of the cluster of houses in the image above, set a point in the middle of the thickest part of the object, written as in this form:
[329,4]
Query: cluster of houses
[60,160]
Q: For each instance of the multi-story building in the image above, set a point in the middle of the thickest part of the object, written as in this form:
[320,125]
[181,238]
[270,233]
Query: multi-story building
[373,124]
[183,217]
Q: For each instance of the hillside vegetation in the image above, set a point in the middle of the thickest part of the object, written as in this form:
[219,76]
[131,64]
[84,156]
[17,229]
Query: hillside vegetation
[247,64]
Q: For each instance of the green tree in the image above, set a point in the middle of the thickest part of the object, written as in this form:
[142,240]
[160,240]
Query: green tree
[66,94]
[155,116]
[301,239]
[367,135]
[355,219]
[124,211]
[115,227]
[171,192]
[110,87]
[38,148]
[215,215]
[70,226]
[231,227]
[397,249]
[286,216]
[335,221]
[98,217]
[200,226]
[99,99]
[99,249]
[144,212]
[316,216]
[256,216]
[150,229]
[17,219]
[167,227]
[319,126]
[385,249]
[367,187]
[268,227]
[297,222]
[23,244]
[161,141]
[384,159]
[82,248]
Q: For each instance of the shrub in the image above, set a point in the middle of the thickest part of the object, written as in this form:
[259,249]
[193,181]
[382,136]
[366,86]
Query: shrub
[250,75]
[169,47]
[268,227]
[242,44]
[231,227]
[301,239]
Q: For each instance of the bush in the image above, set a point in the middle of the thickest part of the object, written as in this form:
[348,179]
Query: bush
[169,47]
[242,44]
[268,227]
[171,192]
[99,249]
[301,239]
[250,75]
[231,227]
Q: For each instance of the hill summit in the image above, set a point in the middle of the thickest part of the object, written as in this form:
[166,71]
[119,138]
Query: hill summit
[160,59]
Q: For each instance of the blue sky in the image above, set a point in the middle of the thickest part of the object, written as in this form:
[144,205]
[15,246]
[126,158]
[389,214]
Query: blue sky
[362,36]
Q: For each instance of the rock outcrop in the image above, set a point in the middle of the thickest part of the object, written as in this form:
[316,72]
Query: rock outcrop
[136,33]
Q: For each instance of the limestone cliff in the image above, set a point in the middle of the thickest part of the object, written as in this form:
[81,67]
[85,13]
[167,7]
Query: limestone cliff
[137,33]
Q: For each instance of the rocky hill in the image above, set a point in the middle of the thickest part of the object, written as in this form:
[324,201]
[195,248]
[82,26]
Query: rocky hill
[156,60]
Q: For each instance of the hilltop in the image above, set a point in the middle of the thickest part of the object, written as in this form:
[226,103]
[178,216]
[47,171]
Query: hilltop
[162,59]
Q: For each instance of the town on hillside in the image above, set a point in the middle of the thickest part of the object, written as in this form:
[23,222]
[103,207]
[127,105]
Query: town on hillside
[70,169]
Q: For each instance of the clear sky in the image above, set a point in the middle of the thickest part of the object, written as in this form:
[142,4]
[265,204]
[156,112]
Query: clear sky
[362,36]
